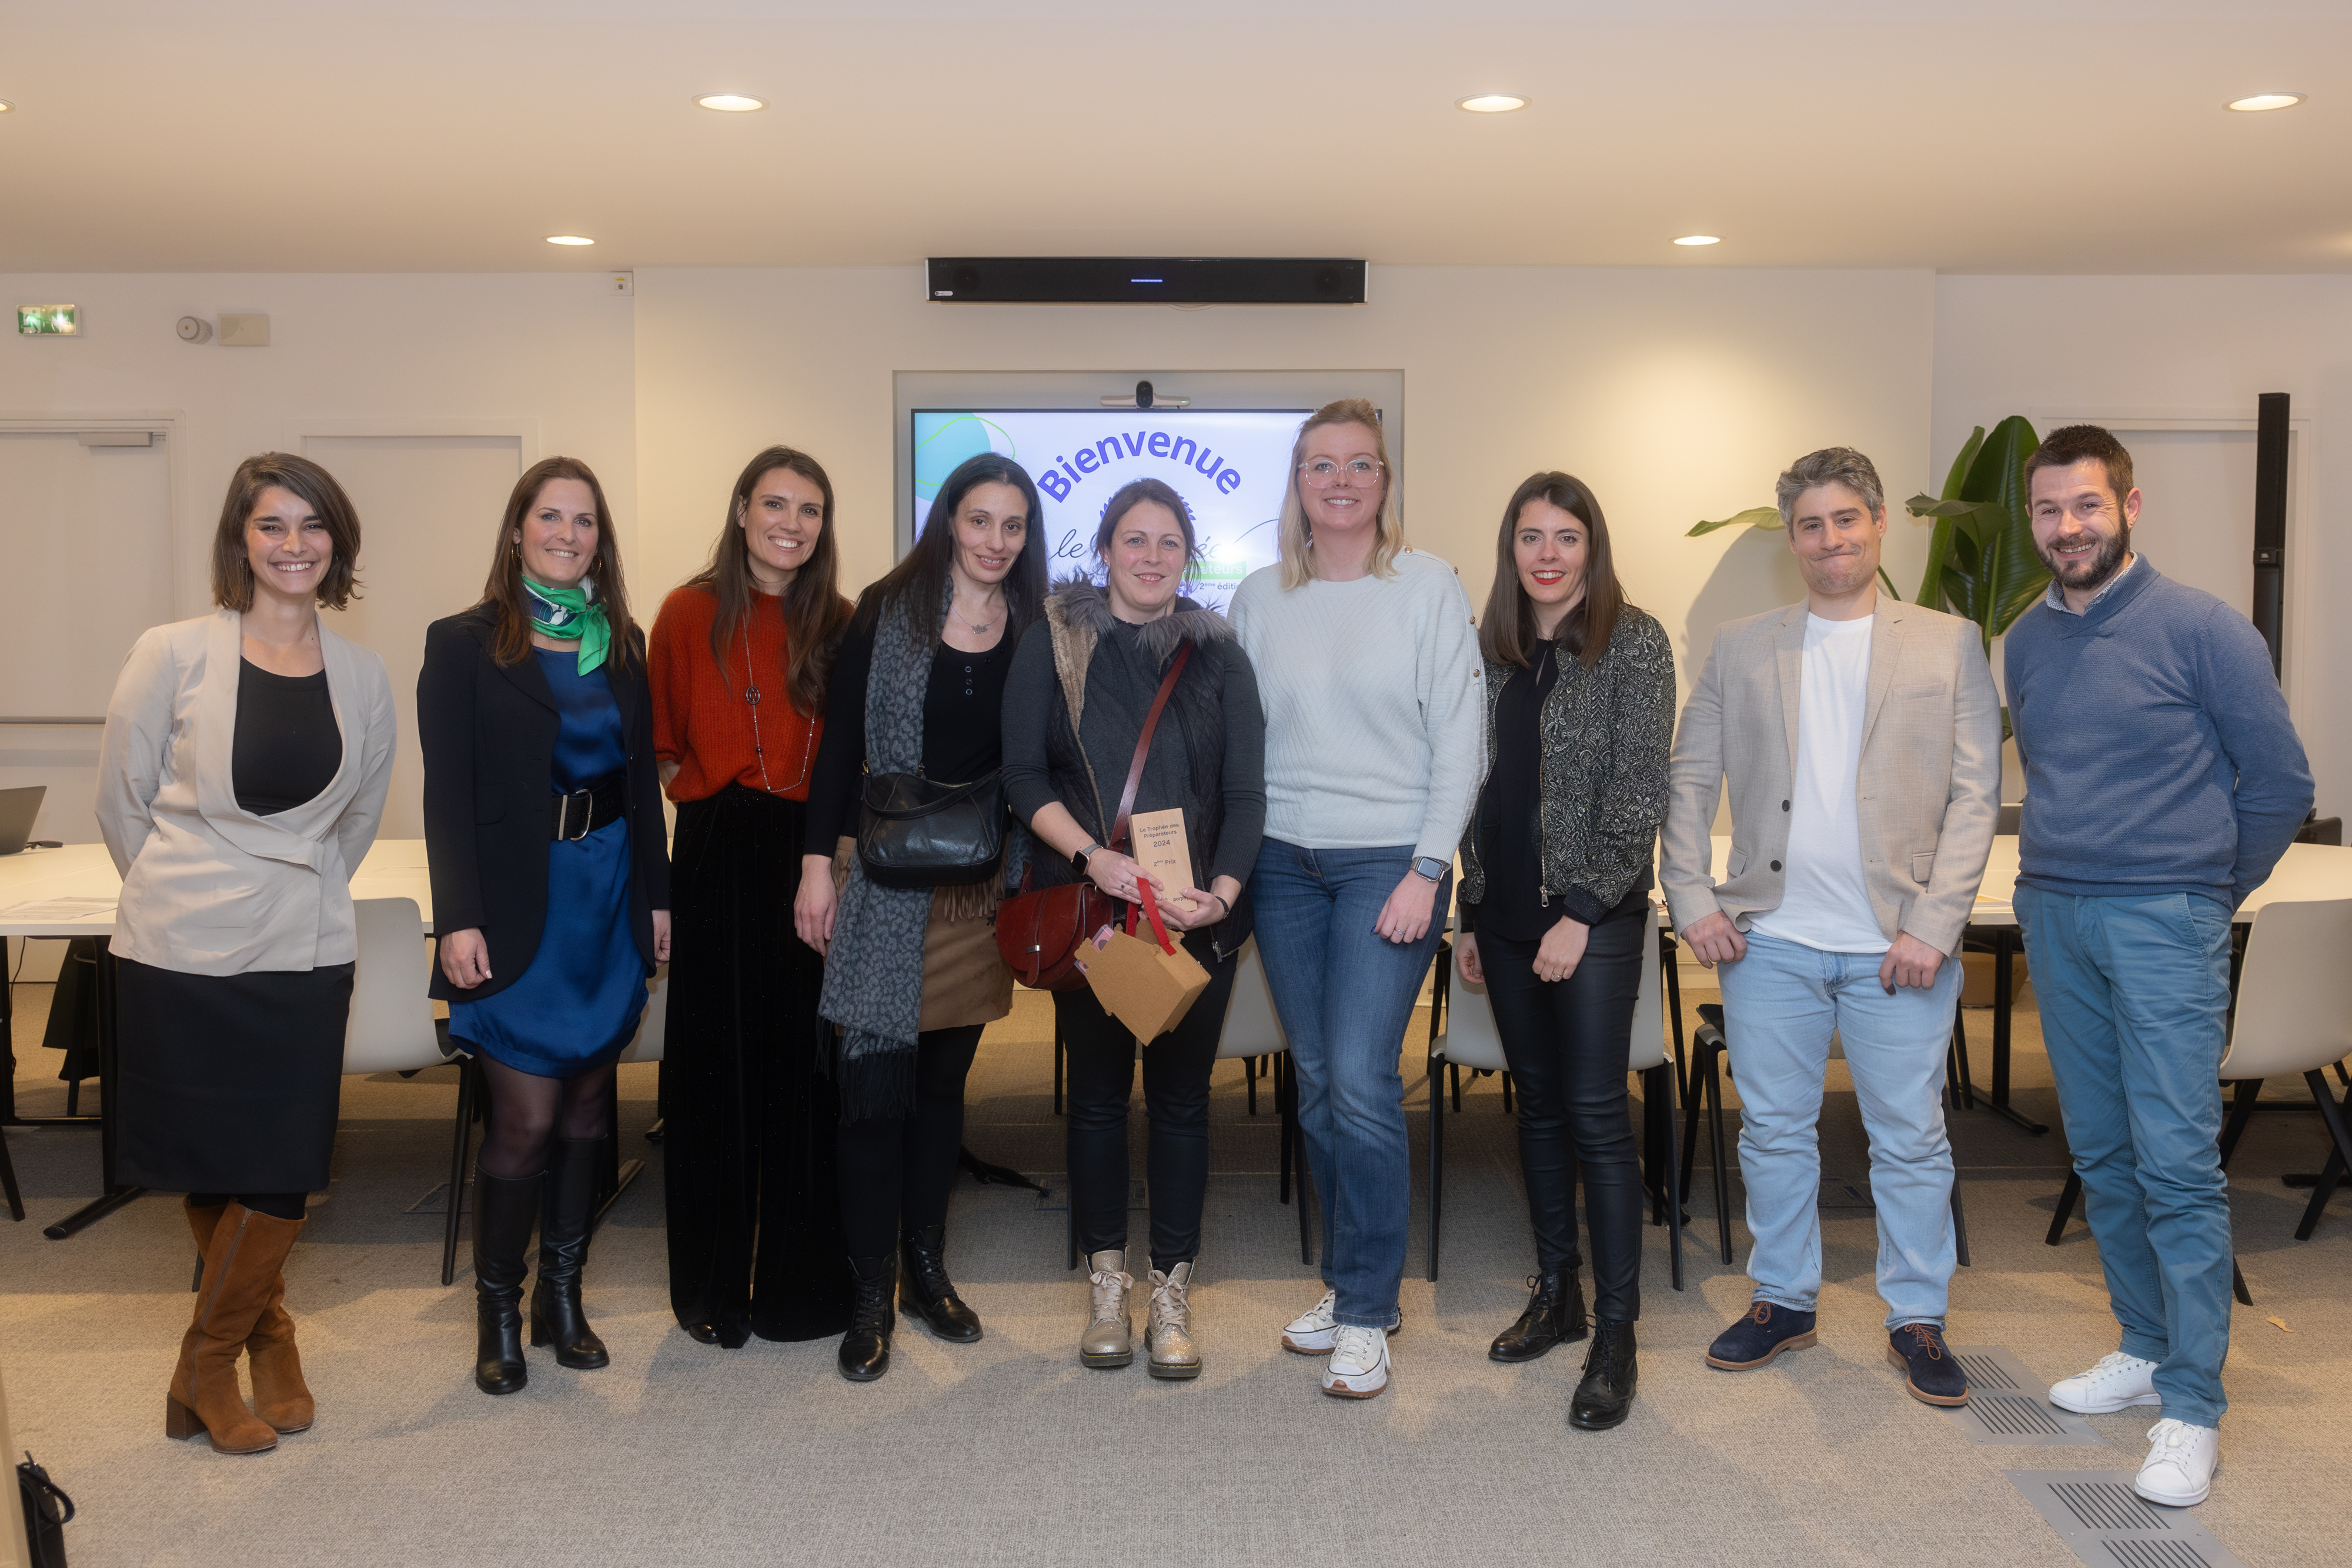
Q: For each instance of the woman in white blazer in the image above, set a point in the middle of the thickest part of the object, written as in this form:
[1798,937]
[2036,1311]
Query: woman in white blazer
[240,781]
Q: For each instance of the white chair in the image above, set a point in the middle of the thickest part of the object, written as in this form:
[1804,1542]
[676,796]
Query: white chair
[2292,1014]
[1462,1034]
[1253,1031]
[393,1029]
[653,1031]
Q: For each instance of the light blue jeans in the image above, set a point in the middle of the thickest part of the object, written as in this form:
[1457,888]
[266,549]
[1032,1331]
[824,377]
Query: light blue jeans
[1780,1004]
[2135,995]
[1345,995]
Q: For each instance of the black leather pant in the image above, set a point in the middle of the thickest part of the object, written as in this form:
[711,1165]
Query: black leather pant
[1567,1043]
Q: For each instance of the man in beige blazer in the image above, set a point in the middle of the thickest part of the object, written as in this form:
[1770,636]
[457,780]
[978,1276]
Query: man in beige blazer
[1860,740]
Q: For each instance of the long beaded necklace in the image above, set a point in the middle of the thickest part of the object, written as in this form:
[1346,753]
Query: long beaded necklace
[752,696]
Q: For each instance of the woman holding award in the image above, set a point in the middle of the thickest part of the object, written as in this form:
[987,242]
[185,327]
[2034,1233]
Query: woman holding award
[1123,702]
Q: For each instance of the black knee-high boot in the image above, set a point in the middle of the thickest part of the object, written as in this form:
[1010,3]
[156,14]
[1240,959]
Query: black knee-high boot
[556,1314]
[504,1212]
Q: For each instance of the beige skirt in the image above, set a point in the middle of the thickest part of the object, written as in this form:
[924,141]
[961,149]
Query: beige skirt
[965,981]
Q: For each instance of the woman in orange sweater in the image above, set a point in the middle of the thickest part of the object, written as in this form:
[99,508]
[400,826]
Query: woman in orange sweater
[740,657]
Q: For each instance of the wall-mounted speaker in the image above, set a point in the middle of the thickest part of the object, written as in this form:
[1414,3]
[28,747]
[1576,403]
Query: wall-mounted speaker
[1145,280]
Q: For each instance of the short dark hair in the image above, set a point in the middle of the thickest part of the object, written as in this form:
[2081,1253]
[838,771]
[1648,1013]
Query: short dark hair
[2072,443]
[233,567]
[1133,493]
[1507,633]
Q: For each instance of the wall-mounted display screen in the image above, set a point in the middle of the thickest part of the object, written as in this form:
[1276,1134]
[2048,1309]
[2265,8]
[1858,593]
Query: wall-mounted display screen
[1230,466]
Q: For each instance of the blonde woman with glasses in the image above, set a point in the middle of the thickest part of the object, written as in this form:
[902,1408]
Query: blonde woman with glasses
[1375,709]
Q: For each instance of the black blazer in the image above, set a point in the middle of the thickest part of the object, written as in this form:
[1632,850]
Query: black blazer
[488,731]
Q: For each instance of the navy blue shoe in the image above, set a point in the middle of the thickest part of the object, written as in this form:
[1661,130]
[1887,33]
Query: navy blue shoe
[1766,1331]
[1932,1372]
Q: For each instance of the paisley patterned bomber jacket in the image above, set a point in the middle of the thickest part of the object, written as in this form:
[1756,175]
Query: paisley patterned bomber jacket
[1607,731]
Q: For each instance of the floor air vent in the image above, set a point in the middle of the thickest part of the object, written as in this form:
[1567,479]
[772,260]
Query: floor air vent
[2009,1405]
[2108,1525]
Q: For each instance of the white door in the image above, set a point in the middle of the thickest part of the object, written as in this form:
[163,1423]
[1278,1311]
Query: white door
[85,568]
[430,509]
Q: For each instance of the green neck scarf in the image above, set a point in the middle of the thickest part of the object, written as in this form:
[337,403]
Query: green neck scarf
[564,613]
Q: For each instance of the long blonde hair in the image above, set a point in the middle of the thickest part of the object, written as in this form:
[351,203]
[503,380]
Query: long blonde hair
[1298,566]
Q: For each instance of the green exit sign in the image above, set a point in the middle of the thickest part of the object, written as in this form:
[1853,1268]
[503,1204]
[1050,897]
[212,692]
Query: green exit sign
[48,321]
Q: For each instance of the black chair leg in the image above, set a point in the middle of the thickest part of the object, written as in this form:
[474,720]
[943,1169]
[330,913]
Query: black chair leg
[1666,948]
[1455,1075]
[1249,1077]
[8,1181]
[460,1144]
[1436,1160]
[1960,1062]
[2066,1197]
[1507,1094]
[1058,1049]
[2339,1158]
[2238,1284]
[1286,1139]
[1959,1223]
[1722,1157]
[2242,1095]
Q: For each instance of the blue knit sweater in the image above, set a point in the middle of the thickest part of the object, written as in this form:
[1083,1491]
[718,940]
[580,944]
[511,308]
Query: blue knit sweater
[2158,754]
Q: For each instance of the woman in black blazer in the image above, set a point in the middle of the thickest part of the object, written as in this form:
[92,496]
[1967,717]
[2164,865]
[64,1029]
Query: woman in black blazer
[550,886]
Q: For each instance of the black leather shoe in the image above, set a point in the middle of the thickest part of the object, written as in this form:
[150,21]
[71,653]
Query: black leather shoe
[1555,1315]
[1605,1397]
[504,1212]
[873,1290]
[1760,1336]
[729,1334]
[928,1291]
[1932,1374]
[556,1315]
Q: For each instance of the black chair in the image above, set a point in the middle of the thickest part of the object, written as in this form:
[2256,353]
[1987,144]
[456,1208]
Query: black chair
[8,1180]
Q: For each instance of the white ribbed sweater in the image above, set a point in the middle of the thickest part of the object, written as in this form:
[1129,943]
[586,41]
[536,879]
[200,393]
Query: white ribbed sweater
[1375,714]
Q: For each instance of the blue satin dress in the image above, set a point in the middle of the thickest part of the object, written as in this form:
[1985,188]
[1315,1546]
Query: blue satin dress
[576,1007]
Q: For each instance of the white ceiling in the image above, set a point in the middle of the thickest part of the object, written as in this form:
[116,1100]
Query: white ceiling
[390,135]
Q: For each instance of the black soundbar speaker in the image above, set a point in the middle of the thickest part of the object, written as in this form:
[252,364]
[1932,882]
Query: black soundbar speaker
[2270,520]
[1145,280]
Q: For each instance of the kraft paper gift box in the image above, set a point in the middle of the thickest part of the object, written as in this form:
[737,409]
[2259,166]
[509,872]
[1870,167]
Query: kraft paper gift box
[1142,983]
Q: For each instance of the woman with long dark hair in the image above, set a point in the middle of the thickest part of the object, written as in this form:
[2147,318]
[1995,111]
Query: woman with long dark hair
[1555,917]
[241,778]
[740,657]
[913,974]
[1085,683]
[550,886]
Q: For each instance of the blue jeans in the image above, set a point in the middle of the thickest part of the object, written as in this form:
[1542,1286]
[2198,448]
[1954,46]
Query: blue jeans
[1345,996]
[1780,1004]
[2135,995]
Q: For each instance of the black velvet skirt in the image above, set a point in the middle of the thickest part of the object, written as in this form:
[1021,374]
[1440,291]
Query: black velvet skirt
[748,1123]
[228,1083]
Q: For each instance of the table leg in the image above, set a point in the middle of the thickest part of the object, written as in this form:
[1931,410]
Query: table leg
[114,1197]
[2004,946]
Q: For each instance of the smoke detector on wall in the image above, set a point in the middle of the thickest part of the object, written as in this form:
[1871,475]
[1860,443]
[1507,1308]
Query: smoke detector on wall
[194,329]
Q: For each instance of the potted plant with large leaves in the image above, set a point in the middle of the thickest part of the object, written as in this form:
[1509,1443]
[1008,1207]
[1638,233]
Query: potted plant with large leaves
[1982,564]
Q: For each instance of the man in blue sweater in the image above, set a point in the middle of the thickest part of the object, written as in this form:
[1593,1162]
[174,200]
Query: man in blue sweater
[2163,780]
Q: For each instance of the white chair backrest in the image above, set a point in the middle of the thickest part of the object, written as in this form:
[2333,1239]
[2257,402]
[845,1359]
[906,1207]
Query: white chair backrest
[652,1030]
[2294,993]
[1471,1038]
[1252,1028]
[391,1028]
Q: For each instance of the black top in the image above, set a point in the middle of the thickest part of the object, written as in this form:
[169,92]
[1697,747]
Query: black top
[287,746]
[1509,840]
[963,738]
[488,733]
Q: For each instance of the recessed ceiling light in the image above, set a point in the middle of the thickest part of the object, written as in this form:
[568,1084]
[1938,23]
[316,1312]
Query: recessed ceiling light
[6,106]
[1491,103]
[2262,100]
[731,103]
[568,239]
[1700,239]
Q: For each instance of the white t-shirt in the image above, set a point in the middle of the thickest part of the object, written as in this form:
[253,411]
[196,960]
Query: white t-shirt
[1827,903]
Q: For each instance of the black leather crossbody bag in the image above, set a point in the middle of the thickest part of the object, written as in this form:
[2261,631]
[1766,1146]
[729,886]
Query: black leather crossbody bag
[913,831]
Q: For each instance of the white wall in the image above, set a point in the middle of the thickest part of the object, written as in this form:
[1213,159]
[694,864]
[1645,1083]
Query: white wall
[546,353]
[2193,351]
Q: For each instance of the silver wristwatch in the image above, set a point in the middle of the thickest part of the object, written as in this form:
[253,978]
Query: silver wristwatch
[1431,867]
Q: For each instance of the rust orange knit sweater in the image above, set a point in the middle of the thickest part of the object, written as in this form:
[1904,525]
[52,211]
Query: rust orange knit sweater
[702,720]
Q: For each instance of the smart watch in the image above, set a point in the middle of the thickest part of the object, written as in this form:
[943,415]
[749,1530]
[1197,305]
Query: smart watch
[1085,853]
[1431,867]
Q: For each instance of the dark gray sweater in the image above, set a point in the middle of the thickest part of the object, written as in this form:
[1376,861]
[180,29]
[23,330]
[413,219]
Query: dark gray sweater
[1223,791]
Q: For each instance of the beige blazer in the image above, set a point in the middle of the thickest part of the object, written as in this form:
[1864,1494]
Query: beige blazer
[1928,791]
[208,888]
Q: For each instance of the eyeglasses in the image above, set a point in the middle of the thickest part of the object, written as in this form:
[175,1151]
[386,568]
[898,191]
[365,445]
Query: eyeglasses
[1355,474]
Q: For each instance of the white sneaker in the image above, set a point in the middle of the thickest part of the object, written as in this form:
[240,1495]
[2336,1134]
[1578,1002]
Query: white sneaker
[2117,1382]
[1359,1367]
[1316,1330]
[2181,1459]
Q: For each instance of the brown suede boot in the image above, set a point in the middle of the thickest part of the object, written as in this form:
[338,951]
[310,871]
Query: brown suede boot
[280,1396]
[241,1268]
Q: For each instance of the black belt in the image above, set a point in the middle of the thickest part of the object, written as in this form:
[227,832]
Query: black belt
[582,812]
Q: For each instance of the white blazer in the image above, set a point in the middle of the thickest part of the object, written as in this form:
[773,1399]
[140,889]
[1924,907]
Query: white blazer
[209,888]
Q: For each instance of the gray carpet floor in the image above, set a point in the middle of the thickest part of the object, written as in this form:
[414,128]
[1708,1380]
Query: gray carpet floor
[1008,1452]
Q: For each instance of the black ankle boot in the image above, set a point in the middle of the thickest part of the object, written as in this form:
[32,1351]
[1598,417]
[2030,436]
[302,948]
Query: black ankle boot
[873,1292]
[930,1292]
[1606,1395]
[556,1315]
[1555,1314]
[504,1212]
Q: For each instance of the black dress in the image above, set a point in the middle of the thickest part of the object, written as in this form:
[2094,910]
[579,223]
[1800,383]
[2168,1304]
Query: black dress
[232,1082]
